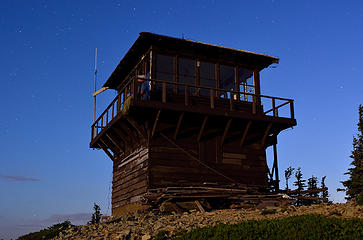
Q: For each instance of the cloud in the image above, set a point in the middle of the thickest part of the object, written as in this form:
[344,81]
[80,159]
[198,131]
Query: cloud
[20,178]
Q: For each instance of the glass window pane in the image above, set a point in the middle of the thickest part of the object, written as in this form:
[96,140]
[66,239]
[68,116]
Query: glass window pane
[226,79]
[186,72]
[164,67]
[207,77]
[164,70]
[246,84]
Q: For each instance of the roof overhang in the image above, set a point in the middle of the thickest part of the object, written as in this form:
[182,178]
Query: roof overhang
[147,40]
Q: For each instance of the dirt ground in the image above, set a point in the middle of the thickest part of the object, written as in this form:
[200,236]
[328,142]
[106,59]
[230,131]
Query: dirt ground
[147,224]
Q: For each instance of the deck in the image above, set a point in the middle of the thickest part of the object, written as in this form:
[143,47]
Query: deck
[178,98]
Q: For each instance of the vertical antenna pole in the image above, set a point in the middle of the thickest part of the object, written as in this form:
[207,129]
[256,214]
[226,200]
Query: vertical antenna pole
[94,109]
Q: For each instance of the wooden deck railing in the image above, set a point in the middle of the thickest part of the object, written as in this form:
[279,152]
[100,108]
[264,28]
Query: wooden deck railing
[272,104]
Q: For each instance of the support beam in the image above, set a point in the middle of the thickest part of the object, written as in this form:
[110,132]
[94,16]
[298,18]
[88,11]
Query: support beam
[124,138]
[275,166]
[267,131]
[137,127]
[202,128]
[131,134]
[155,123]
[245,133]
[113,141]
[226,129]
[106,151]
[178,125]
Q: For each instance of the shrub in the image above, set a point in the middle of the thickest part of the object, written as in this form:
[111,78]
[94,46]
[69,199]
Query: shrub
[47,233]
[268,211]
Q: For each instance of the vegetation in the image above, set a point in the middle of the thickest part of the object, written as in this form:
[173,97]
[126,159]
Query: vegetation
[96,215]
[47,233]
[296,227]
[354,184]
[324,193]
[288,173]
[268,211]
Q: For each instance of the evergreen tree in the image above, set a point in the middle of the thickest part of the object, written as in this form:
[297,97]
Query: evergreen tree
[300,184]
[96,216]
[354,185]
[288,173]
[324,193]
[313,184]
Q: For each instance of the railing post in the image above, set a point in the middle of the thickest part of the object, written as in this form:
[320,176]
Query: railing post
[107,117]
[186,97]
[163,92]
[254,104]
[134,87]
[292,114]
[93,132]
[231,107]
[113,109]
[273,107]
[211,98]
[97,128]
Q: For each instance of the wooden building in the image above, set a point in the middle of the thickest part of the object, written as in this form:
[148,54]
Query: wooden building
[189,121]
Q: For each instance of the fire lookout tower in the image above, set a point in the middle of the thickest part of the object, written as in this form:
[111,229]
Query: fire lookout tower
[189,121]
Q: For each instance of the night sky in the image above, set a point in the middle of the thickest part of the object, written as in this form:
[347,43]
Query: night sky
[48,173]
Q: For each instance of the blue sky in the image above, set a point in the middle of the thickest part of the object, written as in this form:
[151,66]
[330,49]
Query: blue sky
[46,66]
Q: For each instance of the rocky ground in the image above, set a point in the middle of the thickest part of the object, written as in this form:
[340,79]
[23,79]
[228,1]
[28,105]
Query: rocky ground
[146,225]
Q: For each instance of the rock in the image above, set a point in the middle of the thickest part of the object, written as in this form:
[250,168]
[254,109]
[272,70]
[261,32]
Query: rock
[146,237]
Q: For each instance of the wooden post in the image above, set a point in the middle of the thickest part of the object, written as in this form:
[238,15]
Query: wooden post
[256,78]
[267,131]
[226,130]
[113,109]
[236,84]
[186,97]
[231,107]
[245,133]
[273,107]
[178,126]
[164,92]
[275,166]
[155,123]
[211,98]
[134,88]
[197,64]
[217,78]
[292,114]
[93,132]
[202,128]
[254,104]
[176,74]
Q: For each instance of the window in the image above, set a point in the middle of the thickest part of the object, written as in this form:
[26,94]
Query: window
[226,79]
[207,77]
[246,84]
[164,70]
[186,73]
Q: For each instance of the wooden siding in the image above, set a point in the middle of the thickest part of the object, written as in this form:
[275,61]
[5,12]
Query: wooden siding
[171,167]
[130,178]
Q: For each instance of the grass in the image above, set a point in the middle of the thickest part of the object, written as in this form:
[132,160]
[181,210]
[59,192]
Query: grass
[295,227]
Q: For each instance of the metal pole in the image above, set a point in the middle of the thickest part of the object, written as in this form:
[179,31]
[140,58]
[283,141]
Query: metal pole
[94,97]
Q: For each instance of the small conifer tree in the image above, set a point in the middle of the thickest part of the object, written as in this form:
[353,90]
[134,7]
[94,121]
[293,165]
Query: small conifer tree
[324,193]
[312,185]
[96,216]
[300,185]
[288,173]
[354,185]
